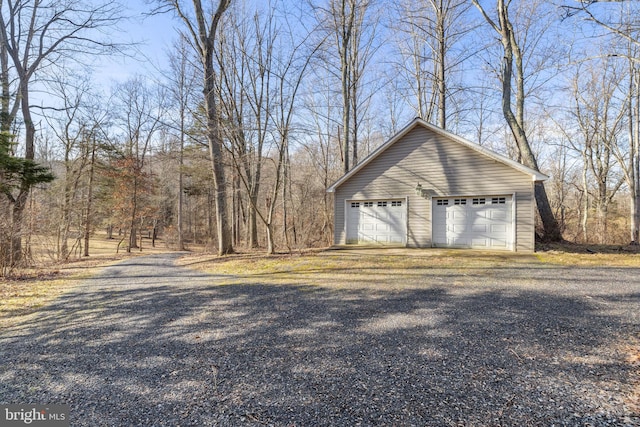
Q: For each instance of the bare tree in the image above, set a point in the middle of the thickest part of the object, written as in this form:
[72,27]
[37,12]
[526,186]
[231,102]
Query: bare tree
[202,28]
[139,113]
[182,83]
[513,69]
[262,65]
[600,116]
[74,135]
[34,35]
[620,19]
[352,25]
[245,60]
[628,156]
[289,74]
[322,149]
[632,171]
[433,28]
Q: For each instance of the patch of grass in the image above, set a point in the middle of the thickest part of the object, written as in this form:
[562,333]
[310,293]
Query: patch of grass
[28,289]
[349,268]
[589,255]
[370,267]
[19,297]
[43,248]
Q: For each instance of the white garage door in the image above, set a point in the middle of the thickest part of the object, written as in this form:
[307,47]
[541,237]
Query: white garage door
[473,222]
[381,222]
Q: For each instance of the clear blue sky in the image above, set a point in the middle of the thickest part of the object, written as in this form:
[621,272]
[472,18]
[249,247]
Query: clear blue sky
[154,36]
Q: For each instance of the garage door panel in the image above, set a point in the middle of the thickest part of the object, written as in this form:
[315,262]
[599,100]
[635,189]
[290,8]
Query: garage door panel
[458,215]
[498,228]
[479,214]
[498,214]
[379,222]
[385,228]
[474,222]
[479,242]
[498,243]
[459,241]
[479,228]
[458,228]
[365,237]
[457,219]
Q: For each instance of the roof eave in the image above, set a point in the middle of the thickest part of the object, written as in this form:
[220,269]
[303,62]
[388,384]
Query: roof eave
[374,154]
[535,175]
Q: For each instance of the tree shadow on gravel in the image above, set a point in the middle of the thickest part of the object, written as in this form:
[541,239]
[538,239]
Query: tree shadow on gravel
[183,351]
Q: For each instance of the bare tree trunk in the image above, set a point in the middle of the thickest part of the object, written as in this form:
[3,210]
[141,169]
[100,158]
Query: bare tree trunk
[234,210]
[601,221]
[207,38]
[211,223]
[88,217]
[271,249]
[225,245]
[21,200]
[5,100]
[634,155]
[516,121]
[203,33]
[154,233]
[585,201]
[252,217]
[344,20]
[134,212]
[180,219]
[18,208]
[63,252]
[346,114]
[635,222]
[285,211]
[441,66]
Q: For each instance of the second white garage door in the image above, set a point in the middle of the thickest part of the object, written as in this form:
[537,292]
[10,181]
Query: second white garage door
[382,222]
[473,222]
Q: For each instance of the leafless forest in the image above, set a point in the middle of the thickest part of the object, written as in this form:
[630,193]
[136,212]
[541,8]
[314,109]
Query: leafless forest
[260,106]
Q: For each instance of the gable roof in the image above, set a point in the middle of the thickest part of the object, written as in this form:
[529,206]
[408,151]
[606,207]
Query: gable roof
[535,175]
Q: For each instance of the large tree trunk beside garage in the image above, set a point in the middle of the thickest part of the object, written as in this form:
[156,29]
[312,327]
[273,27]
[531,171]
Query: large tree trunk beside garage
[515,120]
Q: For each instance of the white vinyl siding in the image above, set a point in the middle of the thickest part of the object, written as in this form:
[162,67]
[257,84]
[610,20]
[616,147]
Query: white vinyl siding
[443,167]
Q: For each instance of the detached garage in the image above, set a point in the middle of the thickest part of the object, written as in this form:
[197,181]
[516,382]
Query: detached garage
[426,187]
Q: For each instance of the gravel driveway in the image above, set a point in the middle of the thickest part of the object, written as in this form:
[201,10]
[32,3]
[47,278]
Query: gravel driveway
[150,344]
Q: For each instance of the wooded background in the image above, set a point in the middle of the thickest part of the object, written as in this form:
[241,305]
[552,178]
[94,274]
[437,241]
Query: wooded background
[260,106]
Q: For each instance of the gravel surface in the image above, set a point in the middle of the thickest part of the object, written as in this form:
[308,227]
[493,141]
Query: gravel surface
[150,344]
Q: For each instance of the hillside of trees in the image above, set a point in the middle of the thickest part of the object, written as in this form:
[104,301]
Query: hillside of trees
[260,106]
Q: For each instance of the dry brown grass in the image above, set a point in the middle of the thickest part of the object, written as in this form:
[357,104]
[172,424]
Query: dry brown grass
[353,267]
[589,255]
[27,289]
[365,265]
[361,267]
